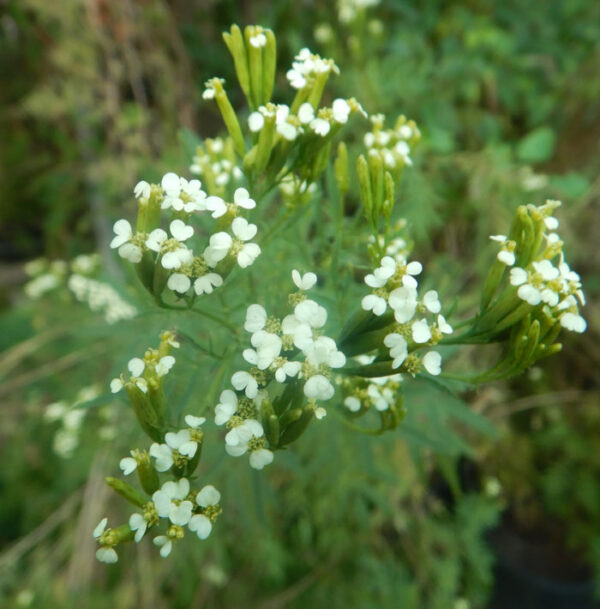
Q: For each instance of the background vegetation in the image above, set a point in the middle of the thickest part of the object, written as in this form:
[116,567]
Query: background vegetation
[97,94]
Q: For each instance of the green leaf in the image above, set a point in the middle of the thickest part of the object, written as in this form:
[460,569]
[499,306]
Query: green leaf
[537,146]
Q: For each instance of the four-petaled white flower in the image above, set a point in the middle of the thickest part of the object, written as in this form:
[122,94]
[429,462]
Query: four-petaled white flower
[398,348]
[318,387]
[226,407]
[170,502]
[122,240]
[199,523]
[303,282]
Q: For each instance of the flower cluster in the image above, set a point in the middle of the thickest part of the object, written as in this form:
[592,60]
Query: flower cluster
[71,416]
[148,371]
[379,393]
[292,348]
[394,146]
[175,504]
[171,253]
[216,164]
[306,68]
[291,125]
[101,297]
[555,287]
[394,285]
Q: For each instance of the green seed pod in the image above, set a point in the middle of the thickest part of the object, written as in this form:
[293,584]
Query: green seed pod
[340,167]
[255,65]
[390,196]
[364,182]
[264,145]
[127,491]
[237,48]
[314,97]
[269,66]
[376,173]
[492,281]
[231,120]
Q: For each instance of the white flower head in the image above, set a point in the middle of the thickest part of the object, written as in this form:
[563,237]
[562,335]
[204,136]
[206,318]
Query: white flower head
[226,407]
[304,282]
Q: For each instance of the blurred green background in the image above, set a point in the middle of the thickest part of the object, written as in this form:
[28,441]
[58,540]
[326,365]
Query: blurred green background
[479,497]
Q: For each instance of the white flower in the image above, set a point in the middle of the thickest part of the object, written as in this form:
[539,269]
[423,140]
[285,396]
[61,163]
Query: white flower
[287,131]
[260,457]
[206,283]
[238,438]
[431,301]
[398,348]
[182,442]
[142,190]
[162,541]
[320,126]
[164,365]
[296,79]
[324,351]
[241,197]
[180,230]
[170,502]
[123,232]
[300,332]
[128,251]
[136,366]
[256,121]
[403,301]
[155,239]
[116,385]
[226,408]
[258,41]
[421,331]
[107,555]
[518,276]
[573,322]
[433,362]
[443,325]
[138,524]
[256,317]
[530,294]
[318,387]
[306,113]
[100,528]
[303,282]
[506,257]
[341,110]
[372,302]
[311,313]
[194,422]
[201,525]
[216,205]
[170,183]
[268,346]
[379,401]
[218,247]
[546,270]
[287,369]
[244,232]
[178,282]
[128,465]
[163,455]
[352,403]
[208,495]
[244,381]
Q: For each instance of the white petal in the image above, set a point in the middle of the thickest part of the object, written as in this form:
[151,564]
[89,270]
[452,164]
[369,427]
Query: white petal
[194,422]
[128,465]
[178,282]
[256,121]
[208,495]
[200,525]
[433,362]
[136,366]
[421,332]
[260,458]
[180,230]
